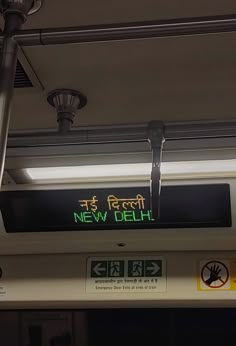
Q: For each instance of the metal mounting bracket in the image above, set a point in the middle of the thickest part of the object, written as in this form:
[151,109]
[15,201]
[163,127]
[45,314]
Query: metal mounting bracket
[156,139]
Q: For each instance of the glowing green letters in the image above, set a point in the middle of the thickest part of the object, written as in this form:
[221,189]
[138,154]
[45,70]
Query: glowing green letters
[119,210]
[90,217]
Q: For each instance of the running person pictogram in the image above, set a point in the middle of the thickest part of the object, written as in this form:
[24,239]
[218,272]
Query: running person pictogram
[215,274]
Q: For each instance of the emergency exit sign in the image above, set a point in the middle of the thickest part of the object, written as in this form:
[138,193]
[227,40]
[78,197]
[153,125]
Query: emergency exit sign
[126,274]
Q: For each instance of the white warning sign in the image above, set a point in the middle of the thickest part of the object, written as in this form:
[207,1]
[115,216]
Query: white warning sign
[215,275]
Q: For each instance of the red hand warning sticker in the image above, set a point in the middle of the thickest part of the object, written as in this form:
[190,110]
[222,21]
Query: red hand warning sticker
[217,275]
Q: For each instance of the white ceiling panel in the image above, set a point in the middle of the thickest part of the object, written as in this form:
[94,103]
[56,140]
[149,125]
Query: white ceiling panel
[187,78]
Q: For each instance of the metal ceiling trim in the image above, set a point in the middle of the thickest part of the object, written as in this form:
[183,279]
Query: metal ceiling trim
[200,130]
[122,133]
[83,135]
[127,31]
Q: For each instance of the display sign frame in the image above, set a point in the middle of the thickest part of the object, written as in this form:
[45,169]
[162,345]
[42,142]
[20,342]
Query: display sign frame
[186,206]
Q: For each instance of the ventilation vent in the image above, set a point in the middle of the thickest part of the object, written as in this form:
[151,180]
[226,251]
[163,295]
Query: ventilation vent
[21,78]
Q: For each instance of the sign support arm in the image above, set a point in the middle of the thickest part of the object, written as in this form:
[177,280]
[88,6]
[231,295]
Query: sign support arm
[156,139]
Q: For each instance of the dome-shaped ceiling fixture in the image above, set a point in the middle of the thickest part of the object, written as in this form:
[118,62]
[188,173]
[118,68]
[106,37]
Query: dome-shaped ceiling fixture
[66,102]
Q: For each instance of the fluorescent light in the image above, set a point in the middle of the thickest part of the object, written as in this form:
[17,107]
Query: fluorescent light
[132,172]
[199,167]
[91,173]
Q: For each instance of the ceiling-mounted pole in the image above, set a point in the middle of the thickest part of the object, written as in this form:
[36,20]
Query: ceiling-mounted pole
[7,75]
[14,13]
[127,31]
[156,139]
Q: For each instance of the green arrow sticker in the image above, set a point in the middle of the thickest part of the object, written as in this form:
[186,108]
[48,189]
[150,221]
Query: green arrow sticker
[98,269]
[153,268]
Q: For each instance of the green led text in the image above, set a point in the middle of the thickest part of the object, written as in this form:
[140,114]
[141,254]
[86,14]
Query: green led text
[116,216]
[133,216]
[90,217]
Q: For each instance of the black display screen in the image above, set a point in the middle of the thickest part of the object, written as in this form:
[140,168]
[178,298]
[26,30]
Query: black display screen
[115,208]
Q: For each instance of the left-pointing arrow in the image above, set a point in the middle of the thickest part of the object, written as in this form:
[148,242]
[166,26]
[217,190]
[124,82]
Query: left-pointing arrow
[98,269]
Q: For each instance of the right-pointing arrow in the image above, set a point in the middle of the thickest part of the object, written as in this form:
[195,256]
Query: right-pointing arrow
[154,268]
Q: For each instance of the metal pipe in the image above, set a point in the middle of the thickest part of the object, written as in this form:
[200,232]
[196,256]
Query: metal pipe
[156,139]
[13,21]
[155,180]
[127,31]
